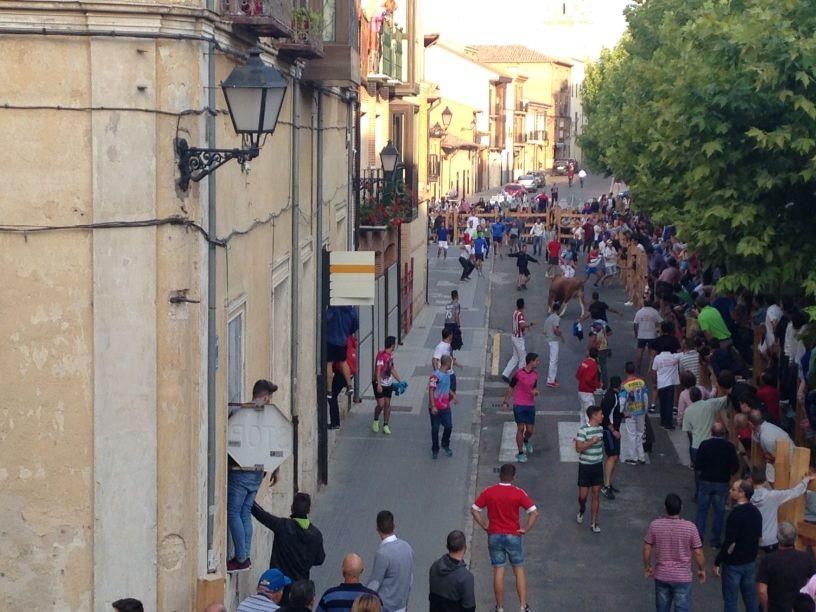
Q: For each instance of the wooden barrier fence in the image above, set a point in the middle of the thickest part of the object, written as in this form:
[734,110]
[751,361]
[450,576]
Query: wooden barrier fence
[790,467]
[632,261]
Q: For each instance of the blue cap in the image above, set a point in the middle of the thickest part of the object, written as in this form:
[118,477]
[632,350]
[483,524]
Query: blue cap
[274,580]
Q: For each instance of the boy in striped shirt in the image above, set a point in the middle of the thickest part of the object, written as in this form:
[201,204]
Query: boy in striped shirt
[589,446]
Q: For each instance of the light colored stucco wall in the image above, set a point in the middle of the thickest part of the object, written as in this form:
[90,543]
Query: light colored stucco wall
[103,423]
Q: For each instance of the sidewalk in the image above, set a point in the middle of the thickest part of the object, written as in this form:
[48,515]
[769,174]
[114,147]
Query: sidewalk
[370,472]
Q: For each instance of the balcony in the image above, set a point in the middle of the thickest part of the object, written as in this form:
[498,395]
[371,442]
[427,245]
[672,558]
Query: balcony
[340,65]
[307,35]
[262,17]
[537,136]
[387,67]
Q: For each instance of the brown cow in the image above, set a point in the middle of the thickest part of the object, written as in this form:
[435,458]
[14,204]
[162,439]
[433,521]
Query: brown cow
[563,289]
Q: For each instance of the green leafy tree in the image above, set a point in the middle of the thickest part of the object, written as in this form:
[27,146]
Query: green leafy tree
[707,108]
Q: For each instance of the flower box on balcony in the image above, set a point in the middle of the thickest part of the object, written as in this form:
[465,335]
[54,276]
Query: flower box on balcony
[262,17]
[307,36]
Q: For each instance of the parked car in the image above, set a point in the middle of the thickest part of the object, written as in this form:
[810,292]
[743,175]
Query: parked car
[515,190]
[528,181]
[541,179]
[560,166]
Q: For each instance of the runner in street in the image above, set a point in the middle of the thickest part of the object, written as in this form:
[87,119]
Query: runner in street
[589,446]
[612,421]
[385,375]
[440,397]
[522,262]
[552,332]
[524,389]
[520,325]
[442,241]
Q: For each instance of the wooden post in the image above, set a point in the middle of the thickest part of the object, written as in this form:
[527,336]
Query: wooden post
[798,430]
[794,510]
[757,459]
[456,227]
[782,474]
[758,330]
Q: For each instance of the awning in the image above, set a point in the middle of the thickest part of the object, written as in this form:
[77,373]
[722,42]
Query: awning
[452,142]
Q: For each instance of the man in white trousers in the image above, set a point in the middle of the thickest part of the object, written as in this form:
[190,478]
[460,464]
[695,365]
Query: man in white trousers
[634,399]
[552,332]
[520,325]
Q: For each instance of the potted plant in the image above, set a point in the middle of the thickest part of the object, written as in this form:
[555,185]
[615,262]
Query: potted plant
[387,209]
[307,21]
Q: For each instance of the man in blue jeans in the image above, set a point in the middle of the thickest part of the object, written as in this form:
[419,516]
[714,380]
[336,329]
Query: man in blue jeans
[504,531]
[715,463]
[440,396]
[242,486]
[674,542]
[736,561]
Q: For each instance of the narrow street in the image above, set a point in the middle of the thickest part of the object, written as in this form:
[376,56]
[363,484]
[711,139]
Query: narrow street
[567,564]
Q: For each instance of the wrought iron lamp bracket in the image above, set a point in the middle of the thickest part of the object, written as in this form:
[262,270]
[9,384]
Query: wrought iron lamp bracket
[195,163]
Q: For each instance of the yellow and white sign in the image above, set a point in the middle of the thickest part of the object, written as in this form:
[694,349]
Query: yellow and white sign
[351,278]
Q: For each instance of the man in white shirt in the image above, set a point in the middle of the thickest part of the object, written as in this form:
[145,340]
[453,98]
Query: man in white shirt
[768,500]
[610,257]
[772,316]
[537,232]
[767,435]
[646,321]
[667,375]
[444,348]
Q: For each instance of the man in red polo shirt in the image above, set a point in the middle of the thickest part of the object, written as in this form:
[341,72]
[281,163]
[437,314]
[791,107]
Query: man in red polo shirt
[504,531]
[553,250]
[589,380]
[674,541]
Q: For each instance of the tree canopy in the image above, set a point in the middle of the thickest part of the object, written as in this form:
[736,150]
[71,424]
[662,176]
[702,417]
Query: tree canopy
[707,109]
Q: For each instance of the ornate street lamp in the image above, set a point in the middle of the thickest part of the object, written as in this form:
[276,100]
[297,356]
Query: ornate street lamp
[390,159]
[254,93]
[447,117]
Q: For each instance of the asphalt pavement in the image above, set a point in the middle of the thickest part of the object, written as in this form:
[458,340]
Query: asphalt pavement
[568,566]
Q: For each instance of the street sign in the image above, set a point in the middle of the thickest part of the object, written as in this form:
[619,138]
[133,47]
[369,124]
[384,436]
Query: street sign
[259,437]
[351,278]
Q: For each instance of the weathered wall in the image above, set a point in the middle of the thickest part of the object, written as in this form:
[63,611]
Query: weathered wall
[47,331]
[103,421]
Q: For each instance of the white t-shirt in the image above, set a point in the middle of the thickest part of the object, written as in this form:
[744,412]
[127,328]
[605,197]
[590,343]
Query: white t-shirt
[647,319]
[538,229]
[610,254]
[665,364]
[443,348]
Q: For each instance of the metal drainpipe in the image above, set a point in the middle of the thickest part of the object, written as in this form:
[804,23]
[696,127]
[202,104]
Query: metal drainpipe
[321,302]
[294,282]
[212,331]
[353,143]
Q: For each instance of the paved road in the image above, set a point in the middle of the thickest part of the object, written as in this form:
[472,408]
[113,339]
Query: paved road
[568,565]
[370,472]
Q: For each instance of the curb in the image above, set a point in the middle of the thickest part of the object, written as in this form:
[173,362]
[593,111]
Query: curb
[476,425]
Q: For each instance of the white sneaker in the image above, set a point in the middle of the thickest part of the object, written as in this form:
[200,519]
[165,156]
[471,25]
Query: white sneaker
[579,517]
[628,303]
[595,528]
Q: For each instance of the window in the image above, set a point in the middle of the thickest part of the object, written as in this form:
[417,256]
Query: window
[433,167]
[235,357]
[329,20]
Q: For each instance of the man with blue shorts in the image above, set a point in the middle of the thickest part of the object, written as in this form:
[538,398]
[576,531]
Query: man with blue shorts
[524,388]
[504,531]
